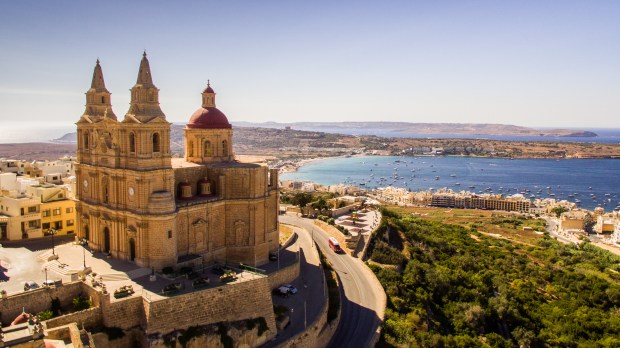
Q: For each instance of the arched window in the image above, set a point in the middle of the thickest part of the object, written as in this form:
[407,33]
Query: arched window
[86,135]
[190,149]
[156,144]
[102,100]
[224,148]
[132,142]
[208,149]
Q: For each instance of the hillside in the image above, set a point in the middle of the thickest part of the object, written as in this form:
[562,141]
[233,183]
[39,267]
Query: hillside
[403,128]
[284,143]
[454,286]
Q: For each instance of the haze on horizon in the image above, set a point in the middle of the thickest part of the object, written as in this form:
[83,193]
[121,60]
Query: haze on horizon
[535,64]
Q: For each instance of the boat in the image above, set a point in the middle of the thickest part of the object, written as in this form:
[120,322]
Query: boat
[457,184]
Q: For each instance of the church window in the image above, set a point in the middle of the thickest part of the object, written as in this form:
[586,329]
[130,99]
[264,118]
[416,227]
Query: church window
[132,142]
[169,234]
[105,191]
[208,149]
[156,145]
[102,100]
[224,148]
[190,149]
[86,135]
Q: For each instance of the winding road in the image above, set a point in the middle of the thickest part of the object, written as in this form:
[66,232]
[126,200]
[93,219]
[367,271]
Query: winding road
[363,303]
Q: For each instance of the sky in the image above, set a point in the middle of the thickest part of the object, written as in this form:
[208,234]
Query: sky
[528,63]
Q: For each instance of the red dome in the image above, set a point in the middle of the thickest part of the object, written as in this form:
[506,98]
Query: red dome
[208,118]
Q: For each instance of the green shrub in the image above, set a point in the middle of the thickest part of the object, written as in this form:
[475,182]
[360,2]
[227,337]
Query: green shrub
[81,302]
[45,315]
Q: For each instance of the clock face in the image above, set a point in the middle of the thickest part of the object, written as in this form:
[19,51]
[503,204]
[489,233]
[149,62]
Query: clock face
[131,191]
[85,183]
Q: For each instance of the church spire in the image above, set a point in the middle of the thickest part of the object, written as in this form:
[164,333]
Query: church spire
[98,83]
[144,74]
[144,105]
[98,98]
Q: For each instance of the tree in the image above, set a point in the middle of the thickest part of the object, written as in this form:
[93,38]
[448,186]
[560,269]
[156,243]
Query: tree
[320,204]
[588,223]
[559,210]
[301,199]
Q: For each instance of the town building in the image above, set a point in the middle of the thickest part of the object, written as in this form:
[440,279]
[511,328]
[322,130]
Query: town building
[137,203]
[31,208]
[467,200]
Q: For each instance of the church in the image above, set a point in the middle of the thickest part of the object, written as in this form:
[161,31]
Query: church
[135,202]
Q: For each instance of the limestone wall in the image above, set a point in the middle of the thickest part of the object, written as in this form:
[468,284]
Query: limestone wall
[35,301]
[88,318]
[285,275]
[125,313]
[245,300]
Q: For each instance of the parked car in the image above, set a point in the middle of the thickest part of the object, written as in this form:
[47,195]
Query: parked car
[281,291]
[29,285]
[291,288]
[217,269]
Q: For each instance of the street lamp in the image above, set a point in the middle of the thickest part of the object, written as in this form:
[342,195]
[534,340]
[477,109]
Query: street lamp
[84,241]
[45,275]
[52,232]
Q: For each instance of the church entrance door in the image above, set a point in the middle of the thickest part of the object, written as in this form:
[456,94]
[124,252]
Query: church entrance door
[132,249]
[106,240]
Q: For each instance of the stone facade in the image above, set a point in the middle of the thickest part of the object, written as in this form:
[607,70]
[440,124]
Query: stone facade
[138,204]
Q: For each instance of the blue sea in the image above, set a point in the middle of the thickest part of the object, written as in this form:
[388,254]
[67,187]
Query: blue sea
[592,182]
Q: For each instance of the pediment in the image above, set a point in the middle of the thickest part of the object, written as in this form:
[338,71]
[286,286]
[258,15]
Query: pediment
[199,221]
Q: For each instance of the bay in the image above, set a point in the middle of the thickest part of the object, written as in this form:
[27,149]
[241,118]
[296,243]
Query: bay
[592,182]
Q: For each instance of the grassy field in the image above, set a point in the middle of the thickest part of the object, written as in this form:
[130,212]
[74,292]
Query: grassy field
[285,232]
[493,223]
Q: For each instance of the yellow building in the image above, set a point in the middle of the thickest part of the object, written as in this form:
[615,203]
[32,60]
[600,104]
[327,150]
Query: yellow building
[57,210]
[137,203]
[20,217]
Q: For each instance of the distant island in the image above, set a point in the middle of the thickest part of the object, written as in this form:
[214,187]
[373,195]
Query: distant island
[401,129]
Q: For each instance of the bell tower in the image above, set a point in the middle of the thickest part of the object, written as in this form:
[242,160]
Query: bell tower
[145,133]
[125,197]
